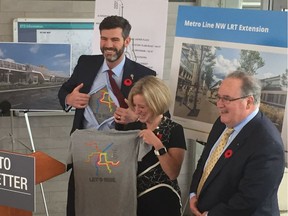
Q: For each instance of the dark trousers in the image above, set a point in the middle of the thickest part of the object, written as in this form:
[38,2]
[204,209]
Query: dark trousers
[70,208]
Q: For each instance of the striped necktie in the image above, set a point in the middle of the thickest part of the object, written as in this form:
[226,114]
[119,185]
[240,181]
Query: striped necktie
[214,158]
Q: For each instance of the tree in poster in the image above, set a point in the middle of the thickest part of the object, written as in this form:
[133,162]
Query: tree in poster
[205,59]
[250,61]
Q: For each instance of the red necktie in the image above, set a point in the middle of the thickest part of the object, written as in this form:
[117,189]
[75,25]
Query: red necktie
[118,94]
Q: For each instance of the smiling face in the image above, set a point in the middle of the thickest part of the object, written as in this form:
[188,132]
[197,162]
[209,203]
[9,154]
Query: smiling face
[141,108]
[233,112]
[112,45]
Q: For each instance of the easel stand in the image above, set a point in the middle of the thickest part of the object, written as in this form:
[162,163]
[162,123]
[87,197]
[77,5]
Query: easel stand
[33,150]
[46,168]
[11,134]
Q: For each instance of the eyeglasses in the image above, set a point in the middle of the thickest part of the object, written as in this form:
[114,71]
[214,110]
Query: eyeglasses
[227,99]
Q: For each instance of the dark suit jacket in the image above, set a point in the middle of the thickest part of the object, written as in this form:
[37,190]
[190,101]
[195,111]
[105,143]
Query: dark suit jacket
[247,182]
[86,71]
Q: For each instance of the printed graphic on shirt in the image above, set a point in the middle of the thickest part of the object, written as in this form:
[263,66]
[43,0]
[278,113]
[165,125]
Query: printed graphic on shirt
[102,105]
[102,159]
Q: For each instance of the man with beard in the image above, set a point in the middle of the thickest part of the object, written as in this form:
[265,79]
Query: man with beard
[91,92]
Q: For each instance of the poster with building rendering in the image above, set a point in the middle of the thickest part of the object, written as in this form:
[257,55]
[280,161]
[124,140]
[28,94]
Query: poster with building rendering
[31,75]
[212,42]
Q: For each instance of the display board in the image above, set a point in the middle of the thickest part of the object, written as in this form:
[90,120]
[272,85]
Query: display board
[212,42]
[77,32]
[147,46]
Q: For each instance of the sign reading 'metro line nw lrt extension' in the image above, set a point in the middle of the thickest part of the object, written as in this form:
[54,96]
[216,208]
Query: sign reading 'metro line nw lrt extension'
[17,181]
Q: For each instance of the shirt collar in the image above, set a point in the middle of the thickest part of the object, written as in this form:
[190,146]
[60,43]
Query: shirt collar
[246,120]
[116,70]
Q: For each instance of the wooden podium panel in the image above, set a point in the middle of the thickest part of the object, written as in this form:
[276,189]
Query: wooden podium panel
[9,211]
[46,168]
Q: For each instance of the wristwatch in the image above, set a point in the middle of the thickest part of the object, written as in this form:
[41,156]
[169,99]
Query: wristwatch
[161,151]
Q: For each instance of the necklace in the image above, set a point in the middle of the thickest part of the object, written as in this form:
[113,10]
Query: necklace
[155,123]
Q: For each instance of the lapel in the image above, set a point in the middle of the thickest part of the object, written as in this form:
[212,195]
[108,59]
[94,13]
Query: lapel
[129,78]
[238,143]
[91,65]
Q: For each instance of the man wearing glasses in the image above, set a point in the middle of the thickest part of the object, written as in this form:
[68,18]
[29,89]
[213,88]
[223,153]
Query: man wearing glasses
[238,173]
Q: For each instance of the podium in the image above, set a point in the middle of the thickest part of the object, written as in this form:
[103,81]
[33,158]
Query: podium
[46,168]
[8,211]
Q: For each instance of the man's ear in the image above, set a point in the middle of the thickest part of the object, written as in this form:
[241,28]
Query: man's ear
[127,41]
[250,101]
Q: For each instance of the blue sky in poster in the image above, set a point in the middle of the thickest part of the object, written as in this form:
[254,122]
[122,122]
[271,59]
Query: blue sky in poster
[233,25]
[55,57]
[228,60]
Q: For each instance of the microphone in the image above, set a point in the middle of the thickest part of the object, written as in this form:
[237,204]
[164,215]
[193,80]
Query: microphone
[5,107]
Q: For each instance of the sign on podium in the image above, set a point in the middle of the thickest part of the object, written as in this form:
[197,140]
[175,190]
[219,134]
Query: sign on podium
[19,173]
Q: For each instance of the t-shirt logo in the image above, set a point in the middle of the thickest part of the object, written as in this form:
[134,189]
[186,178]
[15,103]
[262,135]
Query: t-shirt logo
[105,158]
[102,105]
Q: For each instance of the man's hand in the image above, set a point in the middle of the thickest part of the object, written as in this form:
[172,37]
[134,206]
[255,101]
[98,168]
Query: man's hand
[125,115]
[77,99]
[193,207]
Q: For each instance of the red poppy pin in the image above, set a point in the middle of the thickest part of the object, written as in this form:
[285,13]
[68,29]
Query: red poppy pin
[127,82]
[228,153]
[159,136]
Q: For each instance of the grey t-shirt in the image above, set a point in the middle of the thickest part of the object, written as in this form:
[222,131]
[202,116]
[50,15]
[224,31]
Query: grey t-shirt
[105,170]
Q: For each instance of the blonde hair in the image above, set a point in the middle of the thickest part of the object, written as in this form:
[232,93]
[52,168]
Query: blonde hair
[155,92]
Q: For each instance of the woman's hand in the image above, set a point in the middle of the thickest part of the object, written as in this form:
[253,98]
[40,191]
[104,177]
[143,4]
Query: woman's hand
[125,115]
[150,138]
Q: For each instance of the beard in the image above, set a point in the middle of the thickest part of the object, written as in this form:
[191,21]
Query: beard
[112,57]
